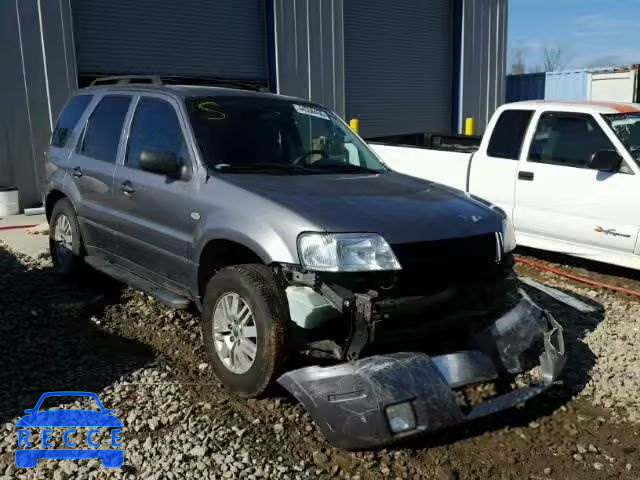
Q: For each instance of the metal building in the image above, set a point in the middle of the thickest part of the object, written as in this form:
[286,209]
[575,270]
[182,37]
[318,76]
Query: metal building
[401,67]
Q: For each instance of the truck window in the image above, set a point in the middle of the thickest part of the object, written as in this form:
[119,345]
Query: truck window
[155,126]
[567,139]
[102,134]
[508,134]
[68,119]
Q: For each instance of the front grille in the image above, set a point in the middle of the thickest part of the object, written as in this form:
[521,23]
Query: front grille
[441,264]
[476,251]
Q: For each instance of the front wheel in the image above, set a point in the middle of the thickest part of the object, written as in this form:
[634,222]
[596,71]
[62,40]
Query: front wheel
[244,321]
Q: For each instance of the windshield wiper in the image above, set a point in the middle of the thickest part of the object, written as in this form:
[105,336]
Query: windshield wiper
[263,167]
[347,167]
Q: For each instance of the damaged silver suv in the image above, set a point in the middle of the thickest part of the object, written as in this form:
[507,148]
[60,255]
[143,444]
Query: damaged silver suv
[373,297]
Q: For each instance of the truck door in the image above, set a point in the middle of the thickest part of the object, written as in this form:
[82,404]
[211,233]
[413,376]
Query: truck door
[494,167]
[558,197]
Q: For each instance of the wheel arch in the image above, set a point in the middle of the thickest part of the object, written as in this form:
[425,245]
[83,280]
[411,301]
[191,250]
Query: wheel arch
[52,198]
[219,253]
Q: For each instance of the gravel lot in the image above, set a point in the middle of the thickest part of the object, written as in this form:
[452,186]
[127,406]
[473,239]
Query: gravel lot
[146,362]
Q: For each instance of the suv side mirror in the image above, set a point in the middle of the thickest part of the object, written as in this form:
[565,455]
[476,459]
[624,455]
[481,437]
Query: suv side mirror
[606,161]
[159,162]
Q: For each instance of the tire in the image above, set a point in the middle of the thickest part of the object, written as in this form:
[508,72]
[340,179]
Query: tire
[71,263]
[256,286]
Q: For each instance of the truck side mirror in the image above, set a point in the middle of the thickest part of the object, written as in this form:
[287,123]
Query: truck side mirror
[606,161]
[156,161]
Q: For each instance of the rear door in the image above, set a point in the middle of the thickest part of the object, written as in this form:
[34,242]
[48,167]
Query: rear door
[155,223]
[494,167]
[559,197]
[92,166]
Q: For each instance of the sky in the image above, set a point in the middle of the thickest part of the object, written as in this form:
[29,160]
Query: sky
[590,32]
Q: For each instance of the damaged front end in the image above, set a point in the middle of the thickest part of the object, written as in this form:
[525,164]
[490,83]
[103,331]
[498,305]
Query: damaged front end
[375,399]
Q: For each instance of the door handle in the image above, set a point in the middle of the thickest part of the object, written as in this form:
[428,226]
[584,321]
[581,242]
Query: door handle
[76,172]
[525,176]
[127,188]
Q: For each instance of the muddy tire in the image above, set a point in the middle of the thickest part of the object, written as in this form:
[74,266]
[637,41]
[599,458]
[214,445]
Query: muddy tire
[65,240]
[244,327]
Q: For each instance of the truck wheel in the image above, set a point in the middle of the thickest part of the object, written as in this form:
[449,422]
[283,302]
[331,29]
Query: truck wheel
[244,327]
[65,241]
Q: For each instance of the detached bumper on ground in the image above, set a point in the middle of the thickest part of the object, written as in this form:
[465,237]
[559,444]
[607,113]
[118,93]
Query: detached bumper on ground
[382,399]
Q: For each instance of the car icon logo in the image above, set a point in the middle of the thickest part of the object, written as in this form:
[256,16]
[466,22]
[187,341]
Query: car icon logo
[69,419]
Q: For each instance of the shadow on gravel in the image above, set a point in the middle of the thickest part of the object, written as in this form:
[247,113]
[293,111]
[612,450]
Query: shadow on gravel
[580,361]
[48,340]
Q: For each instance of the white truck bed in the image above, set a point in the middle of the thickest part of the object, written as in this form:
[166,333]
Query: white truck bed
[441,166]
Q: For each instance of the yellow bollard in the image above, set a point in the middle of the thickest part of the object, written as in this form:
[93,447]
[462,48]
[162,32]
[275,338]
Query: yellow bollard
[354,123]
[468,126]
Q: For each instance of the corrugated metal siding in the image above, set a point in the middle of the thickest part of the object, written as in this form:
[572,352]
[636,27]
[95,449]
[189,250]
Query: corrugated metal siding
[528,86]
[483,60]
[309,50]
[225,38]
[40,76]
[398,58]
[566,85]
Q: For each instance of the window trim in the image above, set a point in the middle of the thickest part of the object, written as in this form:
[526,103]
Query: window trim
[523,142]
[188,162]
[78,149]
[87,108]
[571,115]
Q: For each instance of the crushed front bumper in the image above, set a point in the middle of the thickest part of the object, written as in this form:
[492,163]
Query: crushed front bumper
[356,403]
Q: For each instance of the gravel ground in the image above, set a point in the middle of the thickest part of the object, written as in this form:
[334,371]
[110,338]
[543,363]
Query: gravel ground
[612,335]
[147,362]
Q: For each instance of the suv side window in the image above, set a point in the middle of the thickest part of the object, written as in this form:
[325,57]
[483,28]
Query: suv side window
[508,134]
[155,126]
[567,139]
[103,130]
[68,119]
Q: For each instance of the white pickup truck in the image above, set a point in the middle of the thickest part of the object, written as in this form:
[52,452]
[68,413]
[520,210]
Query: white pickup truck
[568,174]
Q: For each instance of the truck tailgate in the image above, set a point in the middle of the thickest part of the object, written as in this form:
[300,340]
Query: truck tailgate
[448,168]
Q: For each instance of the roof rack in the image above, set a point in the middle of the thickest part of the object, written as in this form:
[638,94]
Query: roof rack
[178,80]
[127,79]
[215,82]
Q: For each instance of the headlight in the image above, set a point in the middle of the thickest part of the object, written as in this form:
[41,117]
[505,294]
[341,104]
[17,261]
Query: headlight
[346,252]
[508,235]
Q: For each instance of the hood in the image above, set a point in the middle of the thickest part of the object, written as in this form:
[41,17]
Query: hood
[400,208]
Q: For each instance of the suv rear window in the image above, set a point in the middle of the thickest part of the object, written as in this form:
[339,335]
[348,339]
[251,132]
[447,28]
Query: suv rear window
[508,134]
[103,130]
[68,119]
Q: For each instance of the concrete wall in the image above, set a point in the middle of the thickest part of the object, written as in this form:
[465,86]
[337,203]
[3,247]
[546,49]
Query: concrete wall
[37,55]
[483,52]
[309,50]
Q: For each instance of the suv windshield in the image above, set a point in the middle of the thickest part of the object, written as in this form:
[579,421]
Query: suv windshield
[627,128]
[238,135]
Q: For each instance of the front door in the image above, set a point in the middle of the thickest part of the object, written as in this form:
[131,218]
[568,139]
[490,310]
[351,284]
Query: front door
[91,167]
[559,197]
[156,224]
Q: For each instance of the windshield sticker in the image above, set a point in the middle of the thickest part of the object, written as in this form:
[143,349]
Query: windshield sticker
[312,111]
[212,110]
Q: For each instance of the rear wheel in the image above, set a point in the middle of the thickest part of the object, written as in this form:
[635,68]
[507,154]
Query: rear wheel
[65,242]
[244,319]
